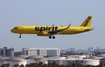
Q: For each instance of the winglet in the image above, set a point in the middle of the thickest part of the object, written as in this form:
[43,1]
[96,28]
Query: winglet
[69,25]
[53,27]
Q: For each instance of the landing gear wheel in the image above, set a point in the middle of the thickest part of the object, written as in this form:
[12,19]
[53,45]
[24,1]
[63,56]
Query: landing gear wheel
[53,37]
[49,37]
[20,36]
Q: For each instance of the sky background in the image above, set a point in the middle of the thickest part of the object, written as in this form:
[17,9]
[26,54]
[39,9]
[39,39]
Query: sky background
[47,12]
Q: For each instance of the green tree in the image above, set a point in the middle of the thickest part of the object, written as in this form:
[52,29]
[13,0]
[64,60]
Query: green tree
[78,63]
[7,65]
[70,64]
[21,65]
[54,64]
[61,66]
[49,64]
[45,65]
[40,64]
[16,65]
[3,65]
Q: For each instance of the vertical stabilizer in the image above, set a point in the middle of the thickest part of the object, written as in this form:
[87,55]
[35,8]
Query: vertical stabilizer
[87,22]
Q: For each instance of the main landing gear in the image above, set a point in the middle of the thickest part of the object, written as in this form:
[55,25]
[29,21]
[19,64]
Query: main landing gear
[20,36]
[52,37]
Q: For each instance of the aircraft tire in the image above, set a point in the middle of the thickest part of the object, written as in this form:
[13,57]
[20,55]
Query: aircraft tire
[53,37]
[19,36]
[49,37]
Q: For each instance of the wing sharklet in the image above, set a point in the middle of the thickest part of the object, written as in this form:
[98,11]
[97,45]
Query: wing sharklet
[56,31]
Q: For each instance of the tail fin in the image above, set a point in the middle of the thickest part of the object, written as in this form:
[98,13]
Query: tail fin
[87,22]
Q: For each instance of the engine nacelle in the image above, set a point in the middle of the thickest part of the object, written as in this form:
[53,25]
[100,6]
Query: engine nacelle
[43,34]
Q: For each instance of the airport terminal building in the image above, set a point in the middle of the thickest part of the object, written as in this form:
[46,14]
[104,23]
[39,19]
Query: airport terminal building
[41,51]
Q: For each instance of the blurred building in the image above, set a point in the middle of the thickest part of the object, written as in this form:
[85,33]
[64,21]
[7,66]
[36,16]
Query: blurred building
[64,60]
[90,49]
[41,51]
[98,50]
[72,50]
[6,52]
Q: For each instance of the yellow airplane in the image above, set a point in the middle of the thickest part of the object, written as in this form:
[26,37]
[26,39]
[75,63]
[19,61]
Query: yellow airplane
[50,31]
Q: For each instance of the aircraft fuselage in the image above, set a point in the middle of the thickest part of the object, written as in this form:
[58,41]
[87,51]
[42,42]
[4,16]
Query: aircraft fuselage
[54,30]
[39,29]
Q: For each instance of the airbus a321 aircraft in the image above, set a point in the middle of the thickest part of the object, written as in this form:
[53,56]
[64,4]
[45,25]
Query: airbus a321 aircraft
[50,31]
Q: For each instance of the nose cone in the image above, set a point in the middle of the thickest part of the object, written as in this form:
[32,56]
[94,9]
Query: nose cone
[12,30]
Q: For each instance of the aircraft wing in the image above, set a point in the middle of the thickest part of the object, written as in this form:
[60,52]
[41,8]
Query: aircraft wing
[57,31]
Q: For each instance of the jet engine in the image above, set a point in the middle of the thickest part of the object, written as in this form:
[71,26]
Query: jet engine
[43,34]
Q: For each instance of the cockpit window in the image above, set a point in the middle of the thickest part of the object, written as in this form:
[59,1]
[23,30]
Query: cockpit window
[15,27]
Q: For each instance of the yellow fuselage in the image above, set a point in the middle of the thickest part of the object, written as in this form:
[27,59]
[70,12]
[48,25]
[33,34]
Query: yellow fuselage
[39,29]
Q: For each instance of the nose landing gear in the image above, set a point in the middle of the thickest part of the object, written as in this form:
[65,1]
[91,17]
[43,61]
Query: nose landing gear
[20,36]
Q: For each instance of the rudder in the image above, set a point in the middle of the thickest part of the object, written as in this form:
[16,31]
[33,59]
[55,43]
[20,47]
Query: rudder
[87,22]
